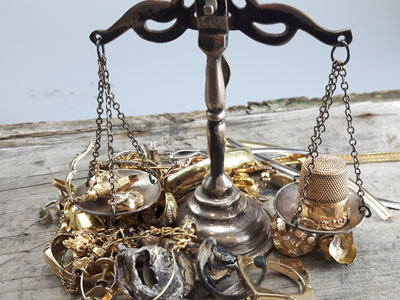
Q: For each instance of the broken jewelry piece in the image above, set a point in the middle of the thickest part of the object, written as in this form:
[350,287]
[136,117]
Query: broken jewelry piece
[292,268]
[100,186]
[291,242]
[144,273]
[339,247]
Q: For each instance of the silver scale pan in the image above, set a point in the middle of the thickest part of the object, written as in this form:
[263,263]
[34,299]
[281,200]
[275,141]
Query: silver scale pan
[100,207]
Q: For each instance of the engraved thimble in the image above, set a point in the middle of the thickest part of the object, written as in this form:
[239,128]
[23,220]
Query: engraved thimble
[326,205]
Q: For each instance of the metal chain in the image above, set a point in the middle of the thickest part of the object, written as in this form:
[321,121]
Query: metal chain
[110,137]
[363,208]
[105,87]
[135,144]
[99,120]
[316,139]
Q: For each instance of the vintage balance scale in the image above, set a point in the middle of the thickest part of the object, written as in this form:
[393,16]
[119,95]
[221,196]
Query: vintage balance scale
[217,207]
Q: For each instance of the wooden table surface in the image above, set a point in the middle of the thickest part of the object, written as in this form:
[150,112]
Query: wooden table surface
[32,154]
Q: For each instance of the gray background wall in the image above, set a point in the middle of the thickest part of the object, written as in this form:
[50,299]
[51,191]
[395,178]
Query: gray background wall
[49,68]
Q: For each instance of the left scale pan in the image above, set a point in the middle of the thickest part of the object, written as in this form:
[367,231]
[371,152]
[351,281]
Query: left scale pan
[101,207]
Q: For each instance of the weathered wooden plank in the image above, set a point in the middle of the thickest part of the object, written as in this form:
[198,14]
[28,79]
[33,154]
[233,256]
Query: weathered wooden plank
[32,154]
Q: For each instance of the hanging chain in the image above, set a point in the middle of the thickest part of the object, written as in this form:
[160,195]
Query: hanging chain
[316,140]
[135,144]
[105,95]
[110,138]
[104,87]
[99,120]
[363,208]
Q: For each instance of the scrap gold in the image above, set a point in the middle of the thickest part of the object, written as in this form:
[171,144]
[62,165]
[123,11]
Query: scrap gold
[246,184]
[290,242]
[364,158]
[72,168]
[101,186]
[128,200]
[292,268]
[186,179]
[372,157]
[168,216]
[340,248]
[78,220]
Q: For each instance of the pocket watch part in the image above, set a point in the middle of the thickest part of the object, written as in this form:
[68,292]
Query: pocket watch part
[293,243]
[291,267]
[100,207]
[143,273]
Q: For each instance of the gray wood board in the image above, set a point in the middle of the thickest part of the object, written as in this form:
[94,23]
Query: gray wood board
[32,154]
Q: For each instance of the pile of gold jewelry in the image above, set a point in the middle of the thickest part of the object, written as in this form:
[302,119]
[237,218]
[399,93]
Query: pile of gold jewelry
[141,255]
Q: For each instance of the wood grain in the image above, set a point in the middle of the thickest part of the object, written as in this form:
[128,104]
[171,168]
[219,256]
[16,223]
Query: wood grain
[32,154]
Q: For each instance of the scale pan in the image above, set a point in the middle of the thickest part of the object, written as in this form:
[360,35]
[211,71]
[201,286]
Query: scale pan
[285,203]
[151,193]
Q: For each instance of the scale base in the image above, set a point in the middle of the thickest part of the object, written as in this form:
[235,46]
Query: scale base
[238,222]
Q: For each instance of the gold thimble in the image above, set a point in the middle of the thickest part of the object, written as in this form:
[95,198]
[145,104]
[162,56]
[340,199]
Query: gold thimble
[327,199]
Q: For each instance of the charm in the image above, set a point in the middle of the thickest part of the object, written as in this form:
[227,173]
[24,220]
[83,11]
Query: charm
[291,242]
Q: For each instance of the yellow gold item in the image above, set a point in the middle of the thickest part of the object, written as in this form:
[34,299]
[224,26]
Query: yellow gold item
[101,186]
[364,158]
[292,268]
[141,183]
[127,201]
[79,220]
[72,169]
[339,247]
[371,157]
[291,242]
[186,179]
[285,174]
[326,205]
[333,213]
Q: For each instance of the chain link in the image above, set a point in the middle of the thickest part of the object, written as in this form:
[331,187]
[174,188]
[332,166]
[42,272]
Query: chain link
[337,70]
[363,208]
[99,120]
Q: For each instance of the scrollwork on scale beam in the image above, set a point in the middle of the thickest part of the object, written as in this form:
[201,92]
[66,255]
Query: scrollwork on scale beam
[243,19]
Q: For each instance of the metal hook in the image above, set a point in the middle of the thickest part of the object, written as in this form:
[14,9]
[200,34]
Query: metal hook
[100,47]
[342,44]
